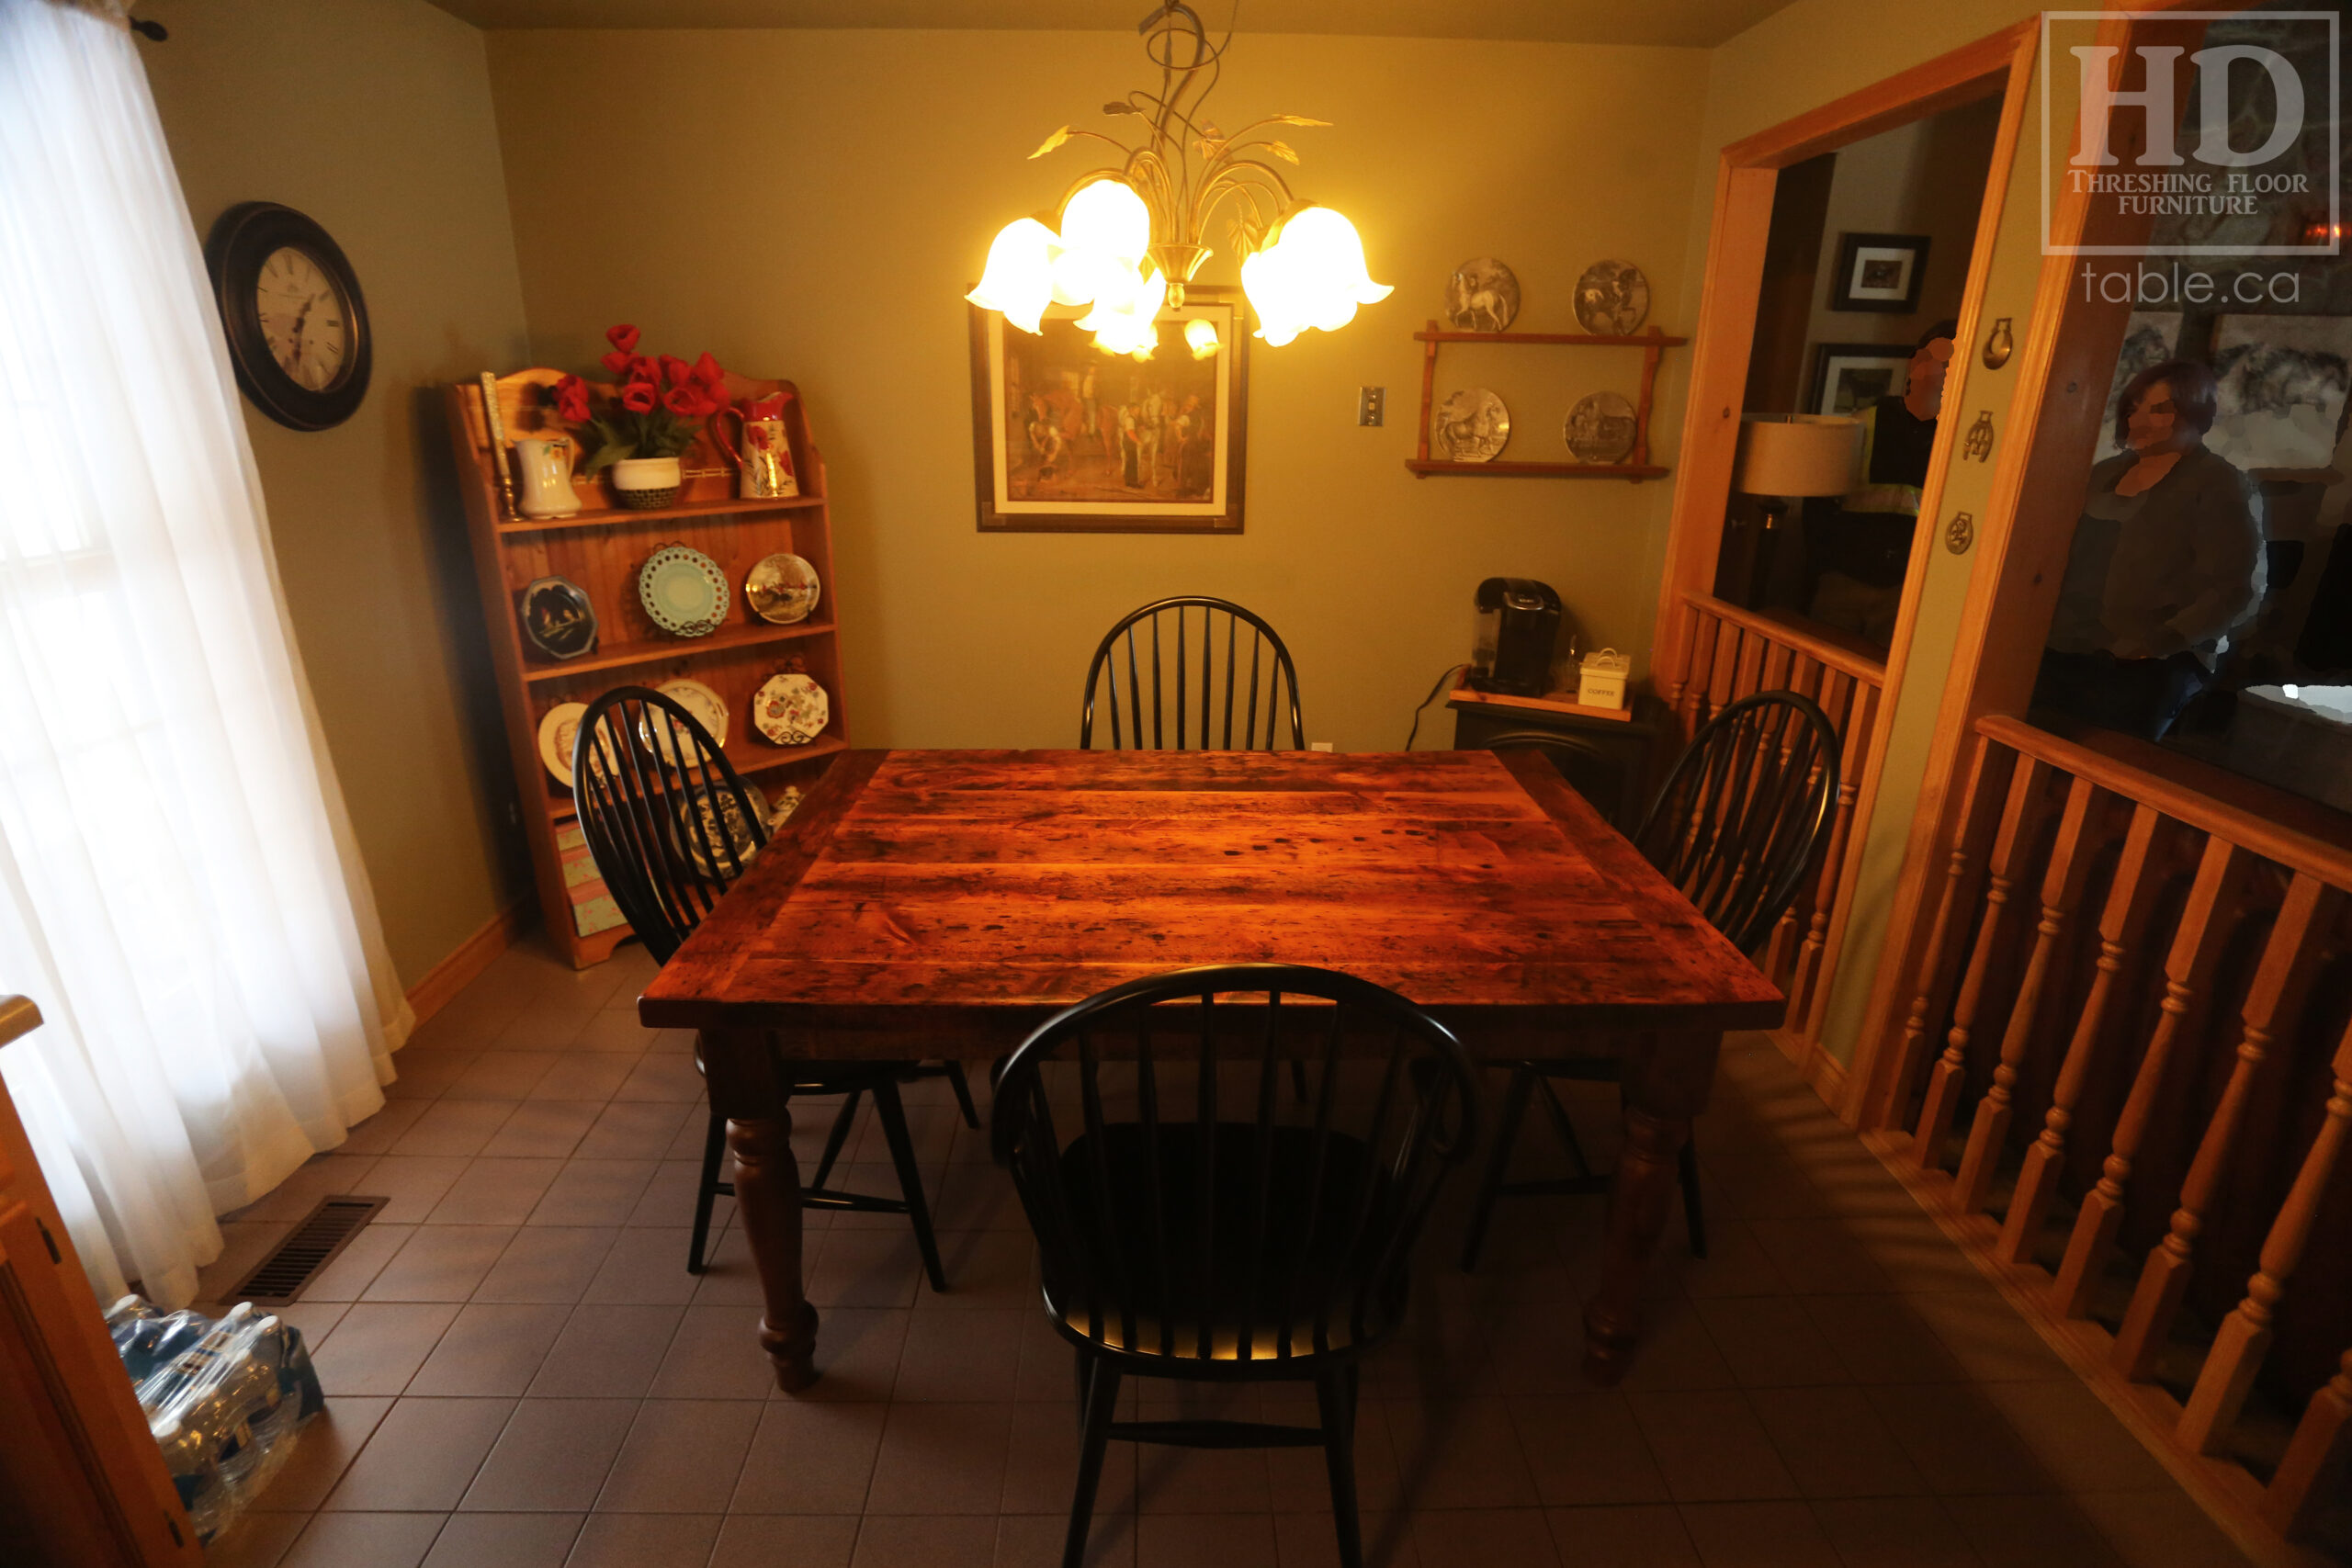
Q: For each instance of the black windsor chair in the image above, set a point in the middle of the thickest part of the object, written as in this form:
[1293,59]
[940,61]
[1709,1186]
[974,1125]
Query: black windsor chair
[1194,1223]
[1735,828]
[1188,680]
[653,791]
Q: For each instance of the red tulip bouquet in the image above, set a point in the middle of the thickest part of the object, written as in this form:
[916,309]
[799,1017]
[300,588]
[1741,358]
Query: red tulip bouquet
[659,409]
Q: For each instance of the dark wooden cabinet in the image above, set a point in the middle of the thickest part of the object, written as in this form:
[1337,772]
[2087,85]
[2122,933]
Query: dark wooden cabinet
[1607,761]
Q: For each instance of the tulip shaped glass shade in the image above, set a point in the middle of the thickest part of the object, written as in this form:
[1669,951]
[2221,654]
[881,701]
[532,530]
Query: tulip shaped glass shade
[1312,276]
[1019,277]
[1806,456]
[1106,233]
[1125,314]
[1201,338]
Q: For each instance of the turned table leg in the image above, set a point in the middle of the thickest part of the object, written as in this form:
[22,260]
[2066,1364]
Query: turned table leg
[748,1089]
[1667,1077]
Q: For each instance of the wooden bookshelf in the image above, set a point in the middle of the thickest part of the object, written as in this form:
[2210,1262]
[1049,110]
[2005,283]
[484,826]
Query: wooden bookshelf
[601,548]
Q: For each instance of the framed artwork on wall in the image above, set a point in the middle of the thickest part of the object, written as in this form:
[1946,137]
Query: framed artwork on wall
[1067,438]
[1879,272]
[1849,376]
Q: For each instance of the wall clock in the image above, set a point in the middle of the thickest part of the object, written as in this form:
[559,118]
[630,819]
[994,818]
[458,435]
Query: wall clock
[290,305]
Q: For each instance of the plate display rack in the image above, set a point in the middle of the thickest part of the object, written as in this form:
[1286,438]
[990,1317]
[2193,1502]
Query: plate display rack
[601,548]
[1637,465]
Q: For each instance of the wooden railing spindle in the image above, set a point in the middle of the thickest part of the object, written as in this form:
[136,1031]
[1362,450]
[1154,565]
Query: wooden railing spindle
[2237,1351]
[2062,887]
[2037,1180]
[1809,999]
[2318,1463]
[1940,959]
[1944,1082]
[2288,960]
[2188,970]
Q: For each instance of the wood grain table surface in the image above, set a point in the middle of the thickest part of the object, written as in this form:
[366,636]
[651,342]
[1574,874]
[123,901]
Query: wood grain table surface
[932,904]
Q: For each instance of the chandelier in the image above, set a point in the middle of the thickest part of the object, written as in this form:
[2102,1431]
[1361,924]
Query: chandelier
[1128,240]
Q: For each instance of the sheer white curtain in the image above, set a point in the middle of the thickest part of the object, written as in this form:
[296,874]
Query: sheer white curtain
[179,889]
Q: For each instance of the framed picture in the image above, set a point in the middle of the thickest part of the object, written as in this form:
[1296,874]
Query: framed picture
[1067,438]
[2284,380]
[1849,376]
[1879,272]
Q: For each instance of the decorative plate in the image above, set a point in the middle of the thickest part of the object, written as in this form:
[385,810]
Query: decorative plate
[699,833]
[557,619]
[787,801]
[684,590]
[708,706]
[790,710]
[1481,297]
[557,731]
[1601,429]
[782,589]
[1472,426]
[1613,299]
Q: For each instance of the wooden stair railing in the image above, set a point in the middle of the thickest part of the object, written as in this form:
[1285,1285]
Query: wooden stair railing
[1728,653]
[2145,1084]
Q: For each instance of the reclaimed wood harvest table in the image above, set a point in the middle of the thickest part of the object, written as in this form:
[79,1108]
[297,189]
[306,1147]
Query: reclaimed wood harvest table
[944,904]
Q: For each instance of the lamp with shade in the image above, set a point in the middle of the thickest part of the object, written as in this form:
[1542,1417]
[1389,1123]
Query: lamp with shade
[1781,459]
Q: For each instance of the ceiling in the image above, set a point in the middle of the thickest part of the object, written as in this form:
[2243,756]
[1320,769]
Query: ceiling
[1690,23]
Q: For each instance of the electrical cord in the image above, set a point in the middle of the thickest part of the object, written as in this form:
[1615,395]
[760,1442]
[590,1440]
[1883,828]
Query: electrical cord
[1439,686]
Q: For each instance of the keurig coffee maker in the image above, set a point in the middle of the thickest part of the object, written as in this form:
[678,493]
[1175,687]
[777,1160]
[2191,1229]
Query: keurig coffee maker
[1519,621]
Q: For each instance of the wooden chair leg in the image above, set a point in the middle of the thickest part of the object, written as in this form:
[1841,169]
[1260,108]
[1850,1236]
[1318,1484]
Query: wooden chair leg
[1693,1216]
[705,1194]
[1334,1404]
[963,1087]
[893,1116]
[1101,1385]
[1523,1085]
[837,1136]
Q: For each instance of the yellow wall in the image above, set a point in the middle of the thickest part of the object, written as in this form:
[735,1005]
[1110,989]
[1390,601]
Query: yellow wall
[812,204]
[374,116]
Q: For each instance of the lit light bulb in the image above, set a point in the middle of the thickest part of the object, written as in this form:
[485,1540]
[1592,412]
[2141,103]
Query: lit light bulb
[1200,336]
[1019,277]
[1106,232]
[1312,276]
[1125,318]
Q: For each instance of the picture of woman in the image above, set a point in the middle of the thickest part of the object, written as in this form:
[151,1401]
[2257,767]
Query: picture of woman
[2167,560]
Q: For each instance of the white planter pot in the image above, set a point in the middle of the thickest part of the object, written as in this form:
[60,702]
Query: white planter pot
[644,484]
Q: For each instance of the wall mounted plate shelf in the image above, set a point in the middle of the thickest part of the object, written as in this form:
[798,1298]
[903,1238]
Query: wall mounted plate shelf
[1652,343]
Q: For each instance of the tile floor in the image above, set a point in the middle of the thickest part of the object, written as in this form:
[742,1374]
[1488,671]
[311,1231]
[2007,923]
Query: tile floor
[521,1373]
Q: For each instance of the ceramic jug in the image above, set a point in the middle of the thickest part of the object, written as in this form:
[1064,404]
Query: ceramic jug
[763,455]
[544,467]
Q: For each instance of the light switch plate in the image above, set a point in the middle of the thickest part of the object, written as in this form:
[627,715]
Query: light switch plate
[1371,403]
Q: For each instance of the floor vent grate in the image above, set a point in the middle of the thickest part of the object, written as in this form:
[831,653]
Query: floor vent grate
[310,1246]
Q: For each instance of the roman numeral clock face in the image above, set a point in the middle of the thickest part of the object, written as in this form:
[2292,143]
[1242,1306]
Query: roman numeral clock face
[291,310]
[304,319]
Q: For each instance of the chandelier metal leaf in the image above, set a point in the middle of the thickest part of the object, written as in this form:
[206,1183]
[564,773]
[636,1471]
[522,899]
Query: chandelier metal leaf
[1127,239]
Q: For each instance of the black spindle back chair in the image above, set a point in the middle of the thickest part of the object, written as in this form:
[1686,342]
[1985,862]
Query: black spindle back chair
[671,825]
[1192,1223]
[1736,823]
[1735,828]
[1176,675]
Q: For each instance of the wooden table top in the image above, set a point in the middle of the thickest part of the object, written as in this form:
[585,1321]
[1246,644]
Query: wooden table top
[964,896]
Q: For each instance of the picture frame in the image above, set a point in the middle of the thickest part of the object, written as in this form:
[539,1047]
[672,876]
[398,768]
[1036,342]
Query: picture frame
[1849,376]
[1879,272]
[1108,443]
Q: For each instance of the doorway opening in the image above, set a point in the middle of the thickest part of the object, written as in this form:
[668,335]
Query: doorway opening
[1865,262]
